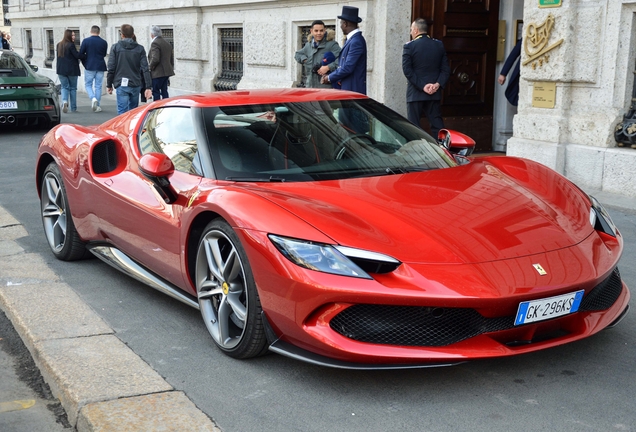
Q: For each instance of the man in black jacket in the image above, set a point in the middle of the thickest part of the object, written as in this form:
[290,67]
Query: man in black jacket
[425,66]
[127,58]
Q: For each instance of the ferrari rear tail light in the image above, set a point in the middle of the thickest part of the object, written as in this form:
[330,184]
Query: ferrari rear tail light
[49,107]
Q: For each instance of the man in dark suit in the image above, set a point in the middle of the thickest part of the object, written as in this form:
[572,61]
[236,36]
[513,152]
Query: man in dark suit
[160,63]
[512,91]
[352,68]
[92,52]
[425,66]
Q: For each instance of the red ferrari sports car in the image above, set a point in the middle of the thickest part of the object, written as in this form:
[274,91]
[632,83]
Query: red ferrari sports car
[322,225]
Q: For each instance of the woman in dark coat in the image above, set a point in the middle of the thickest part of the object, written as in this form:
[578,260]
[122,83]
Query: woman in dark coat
[68,70]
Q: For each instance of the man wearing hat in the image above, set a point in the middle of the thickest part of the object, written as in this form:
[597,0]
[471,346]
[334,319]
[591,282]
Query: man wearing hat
[352,69]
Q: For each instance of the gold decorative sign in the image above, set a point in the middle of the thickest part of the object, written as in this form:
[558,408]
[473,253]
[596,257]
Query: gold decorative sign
[544,94]
[536,41]
[549,3]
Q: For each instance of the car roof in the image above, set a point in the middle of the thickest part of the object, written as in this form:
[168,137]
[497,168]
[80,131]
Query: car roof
[260,96]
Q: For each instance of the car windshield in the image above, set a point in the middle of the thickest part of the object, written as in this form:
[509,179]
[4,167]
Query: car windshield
[318,140]
[12,66]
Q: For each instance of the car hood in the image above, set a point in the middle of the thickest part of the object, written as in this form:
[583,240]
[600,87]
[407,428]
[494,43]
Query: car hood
[492,209]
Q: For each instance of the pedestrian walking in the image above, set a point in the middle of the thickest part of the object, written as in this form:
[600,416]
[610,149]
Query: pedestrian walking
[5,41]
[127,58]
[312,55]
[160,62]
[351,73]
[67,68]
[425,65]
[93,51]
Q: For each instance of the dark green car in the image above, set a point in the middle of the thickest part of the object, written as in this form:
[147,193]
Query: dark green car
[26,98]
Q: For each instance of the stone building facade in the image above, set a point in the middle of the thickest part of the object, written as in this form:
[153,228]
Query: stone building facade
[216,41]
[593,69]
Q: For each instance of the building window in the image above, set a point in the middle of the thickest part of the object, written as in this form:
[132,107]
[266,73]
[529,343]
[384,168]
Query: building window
[29,46]
[231,59]
[168,34]
[50,49]
[303,33]
[5,11]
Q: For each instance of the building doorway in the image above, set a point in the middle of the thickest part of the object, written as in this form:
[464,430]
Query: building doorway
[469,33]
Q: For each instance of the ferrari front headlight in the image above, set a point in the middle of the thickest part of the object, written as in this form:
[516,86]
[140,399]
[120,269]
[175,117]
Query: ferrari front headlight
[317,256]
[600,218]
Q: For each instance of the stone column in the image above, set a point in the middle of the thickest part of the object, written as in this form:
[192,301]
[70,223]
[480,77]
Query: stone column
[576,136]
[391,24]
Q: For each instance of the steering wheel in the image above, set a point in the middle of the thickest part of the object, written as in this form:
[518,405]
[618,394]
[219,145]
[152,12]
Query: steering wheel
[342,147]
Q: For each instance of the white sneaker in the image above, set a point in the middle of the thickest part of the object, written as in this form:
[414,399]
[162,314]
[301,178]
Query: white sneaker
[65,107]
[98,109]
[94,104]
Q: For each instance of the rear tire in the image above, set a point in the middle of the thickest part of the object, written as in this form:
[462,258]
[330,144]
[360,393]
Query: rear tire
[57,220]
[227,293]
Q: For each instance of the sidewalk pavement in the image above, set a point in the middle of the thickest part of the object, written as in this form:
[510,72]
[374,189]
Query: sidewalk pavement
[102,384]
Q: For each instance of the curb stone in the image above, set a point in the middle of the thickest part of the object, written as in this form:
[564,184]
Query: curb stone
[101,383]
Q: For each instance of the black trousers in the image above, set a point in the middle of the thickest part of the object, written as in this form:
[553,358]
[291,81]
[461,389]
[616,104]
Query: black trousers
[159,88]
[431,109]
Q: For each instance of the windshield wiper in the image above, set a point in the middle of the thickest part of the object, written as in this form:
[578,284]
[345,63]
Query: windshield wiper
[269,179]
[395,170]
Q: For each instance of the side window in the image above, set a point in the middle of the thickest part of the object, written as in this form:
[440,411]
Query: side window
[171,131]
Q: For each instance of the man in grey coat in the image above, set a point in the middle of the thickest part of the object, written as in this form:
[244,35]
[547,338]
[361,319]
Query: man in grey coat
[160,62]
[128,71]
[311,56]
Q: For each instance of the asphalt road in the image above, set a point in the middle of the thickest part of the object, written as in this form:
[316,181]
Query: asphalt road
[587,385]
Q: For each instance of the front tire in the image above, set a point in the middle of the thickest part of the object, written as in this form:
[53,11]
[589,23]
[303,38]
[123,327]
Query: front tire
[57,220]
[227,293]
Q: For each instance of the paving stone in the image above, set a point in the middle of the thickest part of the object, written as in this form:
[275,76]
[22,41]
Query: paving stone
[6,219]
[9,247]
[94,369]
[171,411]
[24,269]
[50,311]
[12,232]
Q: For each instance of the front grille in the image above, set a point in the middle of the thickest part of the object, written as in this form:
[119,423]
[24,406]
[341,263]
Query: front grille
[604,294]
[432,326]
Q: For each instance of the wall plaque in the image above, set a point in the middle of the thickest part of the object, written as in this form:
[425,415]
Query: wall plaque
[549,3]
[544,94]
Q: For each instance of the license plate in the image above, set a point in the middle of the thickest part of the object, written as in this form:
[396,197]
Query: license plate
[8,105]
[543,309]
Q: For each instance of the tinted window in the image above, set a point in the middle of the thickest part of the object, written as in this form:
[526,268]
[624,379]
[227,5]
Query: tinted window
[318,140]
[171,131]
[12,65]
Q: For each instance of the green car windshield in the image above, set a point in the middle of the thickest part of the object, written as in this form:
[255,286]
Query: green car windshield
[318,140]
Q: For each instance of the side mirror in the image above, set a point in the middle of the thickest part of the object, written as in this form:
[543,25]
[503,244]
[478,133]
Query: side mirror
[34,68]
[157,167]
[444,138]
[460,143]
